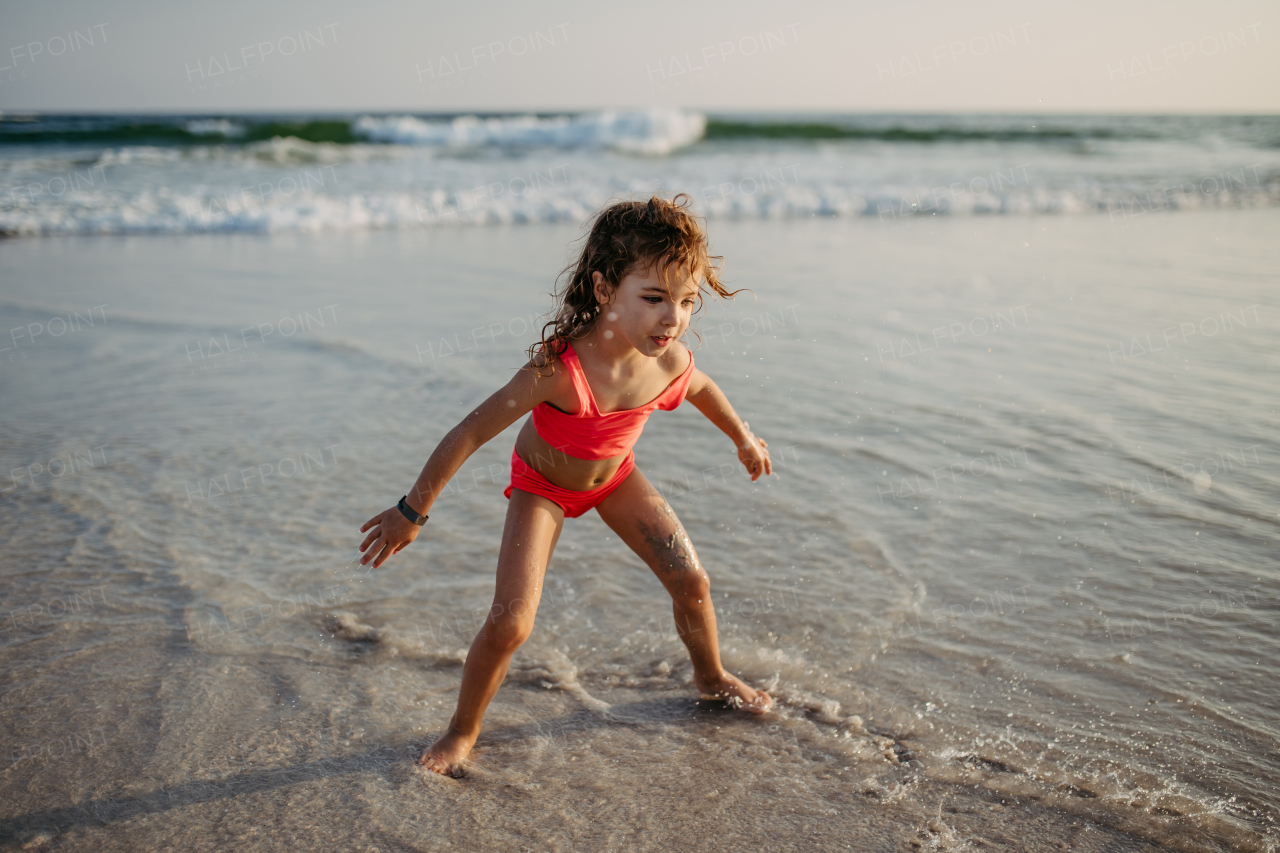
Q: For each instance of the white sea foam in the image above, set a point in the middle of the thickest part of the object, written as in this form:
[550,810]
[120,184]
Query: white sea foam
[652,132]
[212,127]
[286,205]
[413,173]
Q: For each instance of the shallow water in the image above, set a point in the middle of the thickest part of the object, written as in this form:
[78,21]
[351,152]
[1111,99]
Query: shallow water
[1013,579]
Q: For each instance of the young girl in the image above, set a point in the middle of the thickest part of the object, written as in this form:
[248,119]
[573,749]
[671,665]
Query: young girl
[616,335]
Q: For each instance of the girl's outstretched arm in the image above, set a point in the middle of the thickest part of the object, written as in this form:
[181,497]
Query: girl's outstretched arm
[389,531]
[711,401]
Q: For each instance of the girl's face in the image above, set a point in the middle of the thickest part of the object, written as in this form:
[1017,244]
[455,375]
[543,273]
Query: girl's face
[642,312]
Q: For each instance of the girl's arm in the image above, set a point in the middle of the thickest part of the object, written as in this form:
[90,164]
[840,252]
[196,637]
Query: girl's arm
[711,401]
[389,531]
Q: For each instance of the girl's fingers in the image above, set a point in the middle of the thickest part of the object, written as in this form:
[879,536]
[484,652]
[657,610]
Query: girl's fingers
[377,519]
[377,546]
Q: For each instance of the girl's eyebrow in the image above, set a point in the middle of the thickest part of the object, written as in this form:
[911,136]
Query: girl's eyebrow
[653,289]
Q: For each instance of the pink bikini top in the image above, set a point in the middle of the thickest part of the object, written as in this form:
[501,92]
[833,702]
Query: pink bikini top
[590,434]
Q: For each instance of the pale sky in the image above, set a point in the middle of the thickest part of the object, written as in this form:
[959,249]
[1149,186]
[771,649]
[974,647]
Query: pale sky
[900,56]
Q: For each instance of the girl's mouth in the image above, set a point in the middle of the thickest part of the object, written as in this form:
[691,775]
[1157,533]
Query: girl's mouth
[662,342]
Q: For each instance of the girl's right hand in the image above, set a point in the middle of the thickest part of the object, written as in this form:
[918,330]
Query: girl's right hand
[390,533]
[754,455]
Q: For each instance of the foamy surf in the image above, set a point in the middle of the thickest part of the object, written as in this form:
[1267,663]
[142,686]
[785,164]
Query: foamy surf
[652,132]
[115,175]
[305,202]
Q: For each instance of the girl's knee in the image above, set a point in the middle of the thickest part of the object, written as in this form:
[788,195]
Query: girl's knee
[691,589]
[507,632]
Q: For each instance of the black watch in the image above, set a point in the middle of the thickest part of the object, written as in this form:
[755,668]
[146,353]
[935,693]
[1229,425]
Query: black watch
[410,514]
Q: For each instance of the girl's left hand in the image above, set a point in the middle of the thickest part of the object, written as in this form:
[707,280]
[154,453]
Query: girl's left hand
[391,534]
[754,455]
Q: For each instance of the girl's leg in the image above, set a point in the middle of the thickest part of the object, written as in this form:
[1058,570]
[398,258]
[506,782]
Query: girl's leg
[646,522]
[529,538]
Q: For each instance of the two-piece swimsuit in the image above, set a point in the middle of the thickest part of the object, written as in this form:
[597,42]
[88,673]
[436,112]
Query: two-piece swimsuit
[589,434]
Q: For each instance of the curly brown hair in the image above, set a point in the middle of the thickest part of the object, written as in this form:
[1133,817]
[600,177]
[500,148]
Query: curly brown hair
[625,237]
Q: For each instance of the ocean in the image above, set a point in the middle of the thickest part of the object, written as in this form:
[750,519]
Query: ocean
[1013,581]
[276,174]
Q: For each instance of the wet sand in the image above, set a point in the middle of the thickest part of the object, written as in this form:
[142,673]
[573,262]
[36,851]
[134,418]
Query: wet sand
[1005,658]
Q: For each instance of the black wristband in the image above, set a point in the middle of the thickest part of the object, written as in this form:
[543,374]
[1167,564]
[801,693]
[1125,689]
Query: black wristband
[410,514]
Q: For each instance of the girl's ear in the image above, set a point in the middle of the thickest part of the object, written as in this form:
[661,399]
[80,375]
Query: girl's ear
[598,287]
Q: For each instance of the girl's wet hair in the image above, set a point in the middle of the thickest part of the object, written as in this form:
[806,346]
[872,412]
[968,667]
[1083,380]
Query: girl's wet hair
[626,237]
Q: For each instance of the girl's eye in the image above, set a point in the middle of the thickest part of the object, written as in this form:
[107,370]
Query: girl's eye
[656,299]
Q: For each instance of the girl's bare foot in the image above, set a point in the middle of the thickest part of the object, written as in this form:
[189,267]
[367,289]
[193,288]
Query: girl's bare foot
[734,691]
[446,754]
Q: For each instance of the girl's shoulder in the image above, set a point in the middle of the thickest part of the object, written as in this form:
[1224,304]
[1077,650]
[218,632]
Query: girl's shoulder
[679,373]
[549,360]
[553,376]
[679,358]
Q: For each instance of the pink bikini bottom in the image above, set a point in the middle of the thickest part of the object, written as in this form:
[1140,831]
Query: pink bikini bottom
[574,503]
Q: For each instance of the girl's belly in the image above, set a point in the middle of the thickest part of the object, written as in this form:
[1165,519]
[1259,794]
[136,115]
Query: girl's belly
[567,472]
